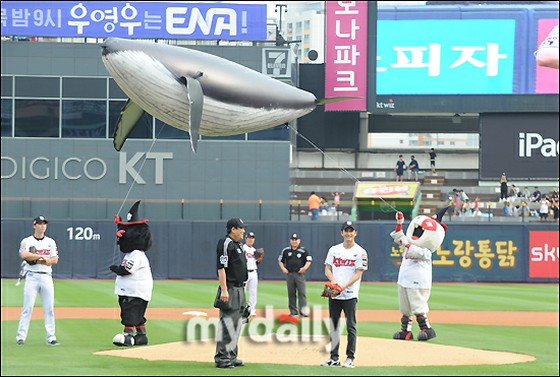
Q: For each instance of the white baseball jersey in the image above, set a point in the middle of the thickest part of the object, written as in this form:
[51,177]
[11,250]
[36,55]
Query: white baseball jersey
[140,282]
[250,256]
[416,273]
[45,246]
[344,263]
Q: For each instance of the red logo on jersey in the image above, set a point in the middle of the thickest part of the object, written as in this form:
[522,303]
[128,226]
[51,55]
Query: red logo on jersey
[338,262]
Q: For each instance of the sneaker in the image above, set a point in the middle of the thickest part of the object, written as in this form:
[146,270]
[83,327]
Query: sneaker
[53,343]
[20,341]
[349,363]
[331,363]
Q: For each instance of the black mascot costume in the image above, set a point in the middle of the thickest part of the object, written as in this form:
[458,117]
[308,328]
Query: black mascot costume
[134,282]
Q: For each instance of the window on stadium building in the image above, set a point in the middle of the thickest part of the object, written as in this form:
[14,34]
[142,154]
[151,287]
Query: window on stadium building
[37,118]
[84,119]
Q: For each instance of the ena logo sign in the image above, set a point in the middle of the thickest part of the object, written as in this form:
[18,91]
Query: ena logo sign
[543,254]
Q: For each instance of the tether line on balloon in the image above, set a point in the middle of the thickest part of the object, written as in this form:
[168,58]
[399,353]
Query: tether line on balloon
[134,181]
[342,169]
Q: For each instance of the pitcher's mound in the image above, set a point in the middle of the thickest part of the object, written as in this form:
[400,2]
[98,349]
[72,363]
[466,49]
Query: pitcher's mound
[370,352]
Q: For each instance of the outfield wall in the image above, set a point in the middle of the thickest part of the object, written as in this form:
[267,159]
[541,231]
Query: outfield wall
[186,249]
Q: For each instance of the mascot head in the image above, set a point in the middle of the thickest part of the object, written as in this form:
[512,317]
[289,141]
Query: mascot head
[133,234]
[427,231]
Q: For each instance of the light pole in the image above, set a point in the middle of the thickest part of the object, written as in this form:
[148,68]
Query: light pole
[281,6]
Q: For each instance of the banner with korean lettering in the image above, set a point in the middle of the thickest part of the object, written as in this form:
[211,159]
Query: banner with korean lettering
[134,19]
[481,254]
[346,54]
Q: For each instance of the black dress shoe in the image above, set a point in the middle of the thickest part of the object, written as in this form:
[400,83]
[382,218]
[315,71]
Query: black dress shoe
[237,363]
[225,365]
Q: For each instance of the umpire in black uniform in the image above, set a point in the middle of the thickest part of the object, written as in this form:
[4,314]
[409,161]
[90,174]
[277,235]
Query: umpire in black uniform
[294,261]
[232,274]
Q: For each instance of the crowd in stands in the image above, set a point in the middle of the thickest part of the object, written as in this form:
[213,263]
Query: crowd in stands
[516,203]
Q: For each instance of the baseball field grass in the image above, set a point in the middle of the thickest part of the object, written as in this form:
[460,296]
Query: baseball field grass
[80,338]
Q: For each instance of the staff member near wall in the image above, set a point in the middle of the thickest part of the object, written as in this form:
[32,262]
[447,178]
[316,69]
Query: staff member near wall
[294,261]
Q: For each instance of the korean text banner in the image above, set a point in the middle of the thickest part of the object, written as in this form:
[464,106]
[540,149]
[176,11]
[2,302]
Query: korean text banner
[134,19]
[498,254]
[469,57]
[346,54]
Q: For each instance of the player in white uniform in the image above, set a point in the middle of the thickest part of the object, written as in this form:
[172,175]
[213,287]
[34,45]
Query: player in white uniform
[253,280]
[344,265]
[40,253]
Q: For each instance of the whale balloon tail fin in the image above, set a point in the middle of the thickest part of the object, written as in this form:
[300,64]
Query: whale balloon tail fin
[131,113]
[324,101]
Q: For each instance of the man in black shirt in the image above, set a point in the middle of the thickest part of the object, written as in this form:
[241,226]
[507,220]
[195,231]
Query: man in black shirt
[294,261]
[232,274]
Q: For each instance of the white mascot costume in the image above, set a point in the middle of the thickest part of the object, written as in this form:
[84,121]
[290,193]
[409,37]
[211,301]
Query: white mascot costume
[423,237]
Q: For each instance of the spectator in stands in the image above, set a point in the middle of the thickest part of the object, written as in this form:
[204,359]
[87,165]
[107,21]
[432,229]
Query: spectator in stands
[400,168]
[506,209]
[314,203]
[433,156]
[524,211]
[512,193]
[464,196]
[536,196]
[503,187]
[543,208]
[324,205]
[413,168]
[525,194]
[458,202]
[554,204]
[336,199]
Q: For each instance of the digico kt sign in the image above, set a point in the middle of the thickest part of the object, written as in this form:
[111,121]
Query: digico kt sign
[532,142]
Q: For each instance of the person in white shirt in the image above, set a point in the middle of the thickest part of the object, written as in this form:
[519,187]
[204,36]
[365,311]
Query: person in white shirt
[345,265]
[252,267]
[39,253]
[423,237]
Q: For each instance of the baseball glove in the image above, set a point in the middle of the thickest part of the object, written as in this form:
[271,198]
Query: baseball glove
[32,250]
[259,254]
[331,290]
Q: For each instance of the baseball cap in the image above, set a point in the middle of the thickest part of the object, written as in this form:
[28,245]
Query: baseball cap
[40,219]
[294,236]
[235,223]
[250,234]
[348,224]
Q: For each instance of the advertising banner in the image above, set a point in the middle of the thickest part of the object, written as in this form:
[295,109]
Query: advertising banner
[543,254]
[134,19]
[522,145]
[346,44]
[469,256]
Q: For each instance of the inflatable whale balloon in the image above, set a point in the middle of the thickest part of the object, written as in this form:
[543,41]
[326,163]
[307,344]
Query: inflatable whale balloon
[198,92]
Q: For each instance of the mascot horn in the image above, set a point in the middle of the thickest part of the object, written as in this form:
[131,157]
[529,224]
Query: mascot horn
[134,281]
[424,236]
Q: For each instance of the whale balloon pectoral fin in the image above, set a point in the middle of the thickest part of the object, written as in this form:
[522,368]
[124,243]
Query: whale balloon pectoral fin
[196,103]
[324,101]
[131,113]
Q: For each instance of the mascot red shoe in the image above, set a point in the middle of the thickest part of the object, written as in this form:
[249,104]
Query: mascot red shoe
[423,237]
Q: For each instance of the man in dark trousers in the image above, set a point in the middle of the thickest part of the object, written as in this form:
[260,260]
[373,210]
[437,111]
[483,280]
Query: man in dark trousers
[294,261]
[232,275]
